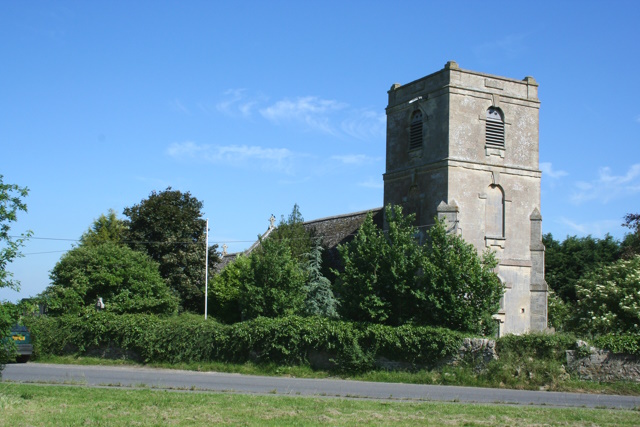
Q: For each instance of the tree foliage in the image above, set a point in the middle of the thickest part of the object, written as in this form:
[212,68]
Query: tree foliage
[169,227]
[273,286]
[319,298]
[107,228]
[225,289]
[293,231]
[566,262]
[390,278]
[380,269]
[126,280]
[11,202]
[459,289]
[609,299]
[631,242]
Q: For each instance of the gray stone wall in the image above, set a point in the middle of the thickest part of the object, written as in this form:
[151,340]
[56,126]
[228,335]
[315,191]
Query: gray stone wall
[602,365]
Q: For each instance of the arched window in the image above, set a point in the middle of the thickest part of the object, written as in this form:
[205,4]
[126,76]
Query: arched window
[415,132]
[494,212]
[495,128]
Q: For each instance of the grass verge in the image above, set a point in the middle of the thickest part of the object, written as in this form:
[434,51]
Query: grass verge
[63,406]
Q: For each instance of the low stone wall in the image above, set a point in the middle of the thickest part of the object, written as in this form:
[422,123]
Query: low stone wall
[476,351]
[590,363]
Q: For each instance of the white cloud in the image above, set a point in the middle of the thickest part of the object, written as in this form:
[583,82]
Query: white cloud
[638,119]
[365,125]
[547,170]
[309,110]
[238,103]
[275,159]
[354,159]
[608,186]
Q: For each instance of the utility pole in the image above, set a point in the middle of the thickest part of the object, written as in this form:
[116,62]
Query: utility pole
[206,268]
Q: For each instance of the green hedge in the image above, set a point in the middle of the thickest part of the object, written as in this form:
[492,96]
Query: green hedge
[544,346]
[286,340]
[623,343]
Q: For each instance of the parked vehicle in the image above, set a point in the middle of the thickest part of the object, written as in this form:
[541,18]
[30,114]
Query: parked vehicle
[22,339]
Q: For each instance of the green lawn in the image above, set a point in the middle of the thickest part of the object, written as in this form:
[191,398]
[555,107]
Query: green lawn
[41,405]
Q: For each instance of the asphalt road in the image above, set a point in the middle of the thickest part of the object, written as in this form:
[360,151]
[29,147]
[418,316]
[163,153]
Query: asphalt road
[219,382]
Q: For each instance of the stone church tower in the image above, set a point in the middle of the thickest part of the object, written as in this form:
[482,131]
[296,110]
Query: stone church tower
[463,146]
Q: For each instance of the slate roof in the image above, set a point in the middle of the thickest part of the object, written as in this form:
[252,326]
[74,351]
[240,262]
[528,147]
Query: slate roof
[333,230]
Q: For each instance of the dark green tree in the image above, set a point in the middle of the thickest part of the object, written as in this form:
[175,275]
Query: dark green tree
[388,277]
[107,228]
[293,231]
[274,284]
[225,289]
[126,280]
[11,203]
[168,226]
[567,262]
[458,289]
[380,270]
[631,241]
[319,298]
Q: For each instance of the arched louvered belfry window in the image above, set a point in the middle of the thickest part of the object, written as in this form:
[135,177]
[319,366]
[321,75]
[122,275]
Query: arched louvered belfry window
[495,128]
[415,132]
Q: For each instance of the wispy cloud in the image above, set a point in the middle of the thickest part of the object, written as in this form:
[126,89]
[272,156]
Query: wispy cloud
[273,159]
[237,102]
[638,119]
[354,159]
[548,171]
[608,186]
[365,125]
[177,105]
[310,111]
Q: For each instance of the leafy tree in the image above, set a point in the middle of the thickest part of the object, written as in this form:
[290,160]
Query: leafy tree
[274,284]
[126,280]
[609,299]
[107,228]
[293,231]
[169,227]
[390,278]
[380,271]
[567,262]
[459,289]
[319,300]
[225,290]
[11,202]
[631,242]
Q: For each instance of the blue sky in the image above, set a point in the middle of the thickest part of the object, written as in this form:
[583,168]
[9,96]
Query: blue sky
[255,106]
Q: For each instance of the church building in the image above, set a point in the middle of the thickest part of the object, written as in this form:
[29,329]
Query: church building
[463,146]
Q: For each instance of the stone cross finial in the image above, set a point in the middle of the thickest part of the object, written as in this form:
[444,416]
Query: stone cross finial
[224,249]
[272,221]
[99,304]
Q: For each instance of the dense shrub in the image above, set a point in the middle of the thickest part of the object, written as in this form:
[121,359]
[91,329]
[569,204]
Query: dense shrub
[536,345]
[623,343]
[286,340]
